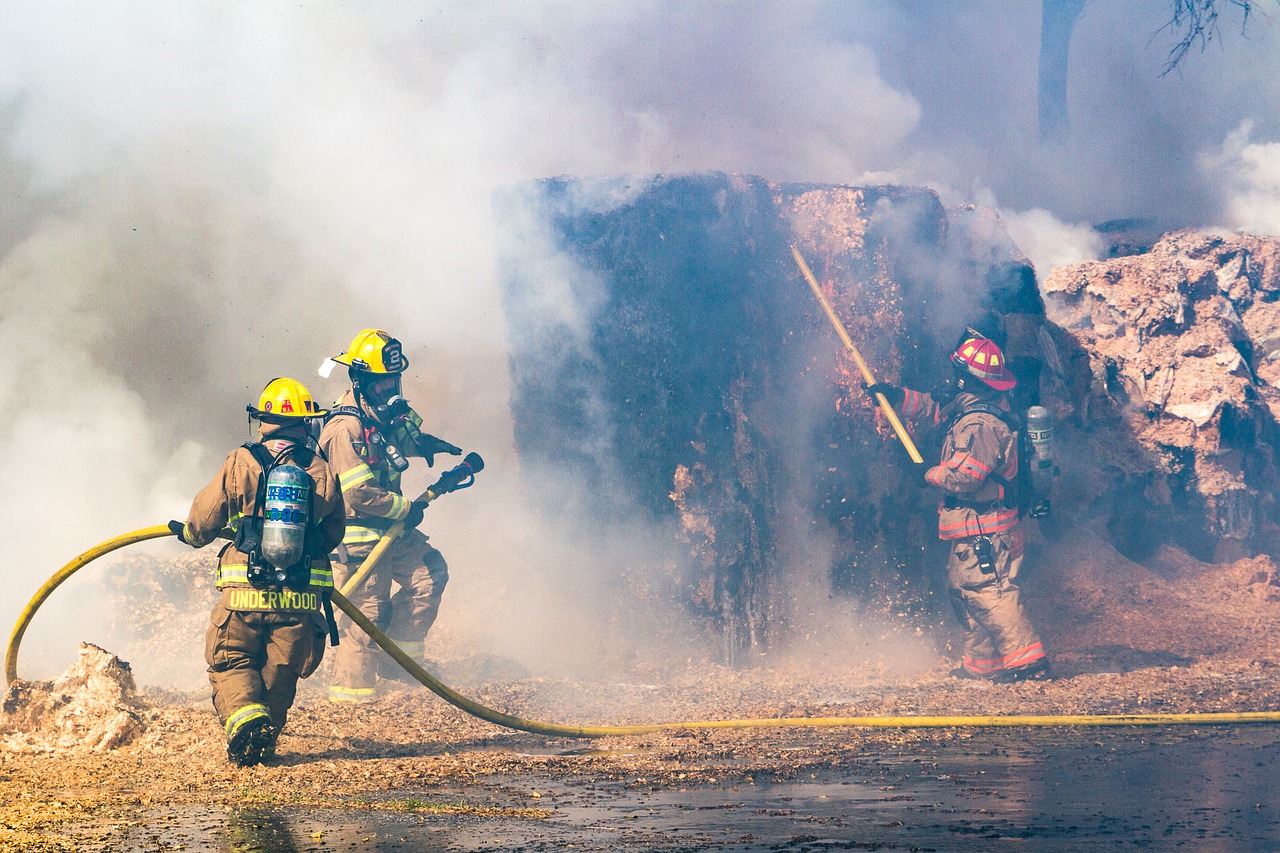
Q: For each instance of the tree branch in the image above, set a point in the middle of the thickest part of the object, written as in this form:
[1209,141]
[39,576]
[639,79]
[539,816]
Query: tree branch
[1196,21]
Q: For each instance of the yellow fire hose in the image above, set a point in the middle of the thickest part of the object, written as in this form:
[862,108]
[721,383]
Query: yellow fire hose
[867,375]
[497,717]
[393,533]
[353,582]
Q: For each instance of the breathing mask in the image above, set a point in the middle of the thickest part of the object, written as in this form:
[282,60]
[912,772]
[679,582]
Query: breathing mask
[381,391]
[945,391]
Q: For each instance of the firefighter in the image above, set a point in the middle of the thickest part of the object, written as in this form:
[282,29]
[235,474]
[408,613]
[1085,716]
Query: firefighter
[269,626]
[368,436]
[978,514]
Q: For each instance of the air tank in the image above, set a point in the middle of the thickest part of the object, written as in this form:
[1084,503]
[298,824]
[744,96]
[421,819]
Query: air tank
[1043,469]
[285,515]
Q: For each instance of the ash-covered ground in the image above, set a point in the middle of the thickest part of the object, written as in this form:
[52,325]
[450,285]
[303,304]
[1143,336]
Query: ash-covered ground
[411,772]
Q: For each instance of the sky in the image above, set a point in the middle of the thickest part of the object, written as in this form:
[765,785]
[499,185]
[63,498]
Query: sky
[198,197]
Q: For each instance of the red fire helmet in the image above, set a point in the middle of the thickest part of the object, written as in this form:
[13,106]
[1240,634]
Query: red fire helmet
[983,359]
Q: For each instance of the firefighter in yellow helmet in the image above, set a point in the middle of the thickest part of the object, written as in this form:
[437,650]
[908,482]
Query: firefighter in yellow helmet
[368,437]
[978,514]
[281,505]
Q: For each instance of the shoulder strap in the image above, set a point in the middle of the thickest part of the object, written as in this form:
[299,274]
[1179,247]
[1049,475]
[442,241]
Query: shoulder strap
[1009,419]
[340,411]
[249,533]
[260,453]
[266,460]
[300,453]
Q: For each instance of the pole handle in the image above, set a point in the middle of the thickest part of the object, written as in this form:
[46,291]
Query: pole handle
[889,413]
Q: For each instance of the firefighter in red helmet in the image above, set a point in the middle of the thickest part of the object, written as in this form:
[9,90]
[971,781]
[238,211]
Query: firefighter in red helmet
[978,514]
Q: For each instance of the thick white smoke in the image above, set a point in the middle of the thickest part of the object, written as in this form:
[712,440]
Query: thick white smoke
[1049,243]
[1250,176]
[201,196]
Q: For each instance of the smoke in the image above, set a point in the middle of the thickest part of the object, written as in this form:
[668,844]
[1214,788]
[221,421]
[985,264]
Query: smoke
[1250,175]
[199,197]
[1049,243]
[1134,137]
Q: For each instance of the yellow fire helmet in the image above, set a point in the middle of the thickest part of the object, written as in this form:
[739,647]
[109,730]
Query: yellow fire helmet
[374,351]
[285,399]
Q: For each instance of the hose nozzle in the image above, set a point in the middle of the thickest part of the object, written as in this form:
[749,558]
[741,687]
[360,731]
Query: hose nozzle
[460,476]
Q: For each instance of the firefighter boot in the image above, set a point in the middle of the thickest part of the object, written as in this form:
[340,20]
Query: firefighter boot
[269,746]
[245,748]
[961,672]
[1035,671]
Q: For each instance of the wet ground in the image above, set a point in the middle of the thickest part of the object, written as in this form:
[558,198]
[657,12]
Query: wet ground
[409,772]
[1044,790]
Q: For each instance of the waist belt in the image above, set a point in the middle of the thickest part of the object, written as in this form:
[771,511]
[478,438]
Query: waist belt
[980,507]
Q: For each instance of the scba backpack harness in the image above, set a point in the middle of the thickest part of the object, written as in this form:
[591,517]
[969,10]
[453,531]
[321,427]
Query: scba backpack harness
[279,538]
[1028,490]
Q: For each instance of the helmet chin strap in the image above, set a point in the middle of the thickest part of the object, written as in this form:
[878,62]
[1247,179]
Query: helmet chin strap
[361,401]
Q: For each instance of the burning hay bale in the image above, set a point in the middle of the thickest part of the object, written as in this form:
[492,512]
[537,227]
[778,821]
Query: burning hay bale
[669,362]
[93,706]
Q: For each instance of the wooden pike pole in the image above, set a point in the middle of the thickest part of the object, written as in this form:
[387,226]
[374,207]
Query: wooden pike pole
[903,435]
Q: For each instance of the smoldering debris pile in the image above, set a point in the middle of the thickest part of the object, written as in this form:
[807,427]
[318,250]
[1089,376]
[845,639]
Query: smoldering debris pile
[669,362]
[1172,362]
[159,614]
[93,706]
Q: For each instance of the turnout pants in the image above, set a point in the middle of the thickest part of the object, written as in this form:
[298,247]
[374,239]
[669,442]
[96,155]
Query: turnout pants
[420,572]
[255,661]
[998,637]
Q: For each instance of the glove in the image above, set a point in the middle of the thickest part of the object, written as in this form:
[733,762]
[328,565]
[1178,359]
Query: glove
[892,393]
[429,446]
[176,528]
[414,516]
